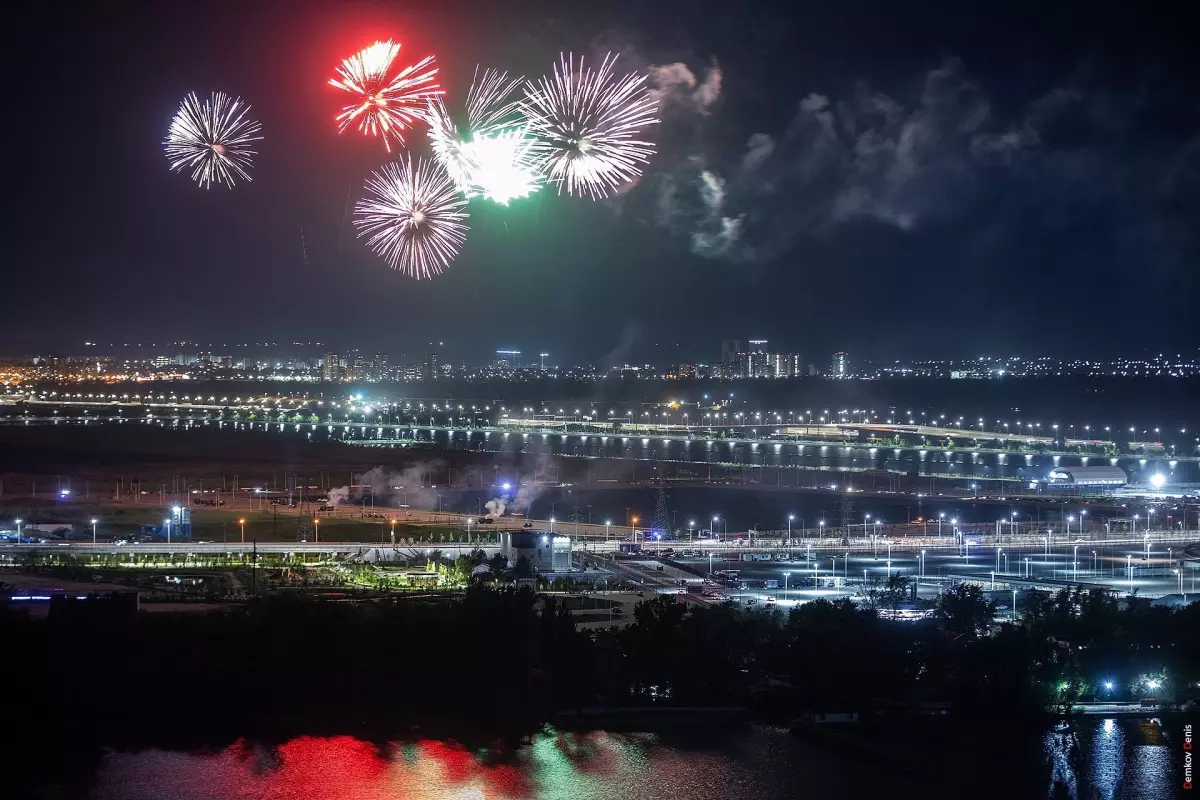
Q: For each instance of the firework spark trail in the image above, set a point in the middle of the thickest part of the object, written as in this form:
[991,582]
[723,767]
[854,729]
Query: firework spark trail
[492,104]
[212,138]
[413,217]
[386,101]
[493,156]
[587,124]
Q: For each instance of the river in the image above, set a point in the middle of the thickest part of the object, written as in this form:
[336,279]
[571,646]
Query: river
[1125,759]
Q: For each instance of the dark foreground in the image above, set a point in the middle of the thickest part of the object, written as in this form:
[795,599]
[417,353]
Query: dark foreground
[491,669]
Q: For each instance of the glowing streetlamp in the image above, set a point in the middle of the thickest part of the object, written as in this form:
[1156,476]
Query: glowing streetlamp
[316,530]
[93,532]
[242,523]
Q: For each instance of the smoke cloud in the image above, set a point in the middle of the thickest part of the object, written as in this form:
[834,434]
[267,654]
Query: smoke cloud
[387,487]
[904,162]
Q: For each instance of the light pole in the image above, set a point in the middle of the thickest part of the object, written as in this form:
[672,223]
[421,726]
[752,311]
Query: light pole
[469,521]
[1028,568]
[790,518]
[317,530]
[921,573]
[93,532]
[1070,519]
[941,516]
[1129,568]
[1179,574]
[393,533]
[607,523]
[785,585]
[552,524]
[867,519]
[18,521]
[998,559]
[167,522]
[242,523]
[1075,562]
[691,528]
[1014,607]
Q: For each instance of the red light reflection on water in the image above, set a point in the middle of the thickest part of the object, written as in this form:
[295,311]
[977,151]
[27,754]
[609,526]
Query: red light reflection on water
[307,768]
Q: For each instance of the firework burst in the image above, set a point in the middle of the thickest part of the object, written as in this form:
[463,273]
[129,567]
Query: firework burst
[387,100]
[413,217]
[213,138]
[493,156]
[588,124]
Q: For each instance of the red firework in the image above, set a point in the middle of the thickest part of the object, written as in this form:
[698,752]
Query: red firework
[387,99]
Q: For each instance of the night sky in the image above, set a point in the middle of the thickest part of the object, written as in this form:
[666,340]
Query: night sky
[897,180]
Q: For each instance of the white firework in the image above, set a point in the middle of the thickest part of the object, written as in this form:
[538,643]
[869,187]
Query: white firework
[588,125]
[492,157]
[213,138]
[413,217]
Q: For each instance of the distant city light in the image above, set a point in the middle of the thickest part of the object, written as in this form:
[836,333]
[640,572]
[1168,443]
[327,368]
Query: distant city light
[1158,480]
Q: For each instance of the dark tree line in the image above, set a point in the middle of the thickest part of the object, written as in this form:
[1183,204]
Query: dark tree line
[500,660]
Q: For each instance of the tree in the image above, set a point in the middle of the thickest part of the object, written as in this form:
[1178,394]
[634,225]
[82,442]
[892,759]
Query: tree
[522,569]
[963,612]
[895,592]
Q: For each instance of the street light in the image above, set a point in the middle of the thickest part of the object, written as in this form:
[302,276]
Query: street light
[790,518]
[93,532]
[552,523]
[242,522]
[785,585]
[18,521]
[167,522]
[607,523]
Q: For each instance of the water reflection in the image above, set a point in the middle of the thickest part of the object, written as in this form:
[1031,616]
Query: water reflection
[1111,759]
[554,765]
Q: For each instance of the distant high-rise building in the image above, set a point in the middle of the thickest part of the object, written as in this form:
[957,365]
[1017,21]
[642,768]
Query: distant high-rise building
[730,350]
[432,367]
[331,368]
[840,366]
[542,360]
[687,370]
[756,363]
